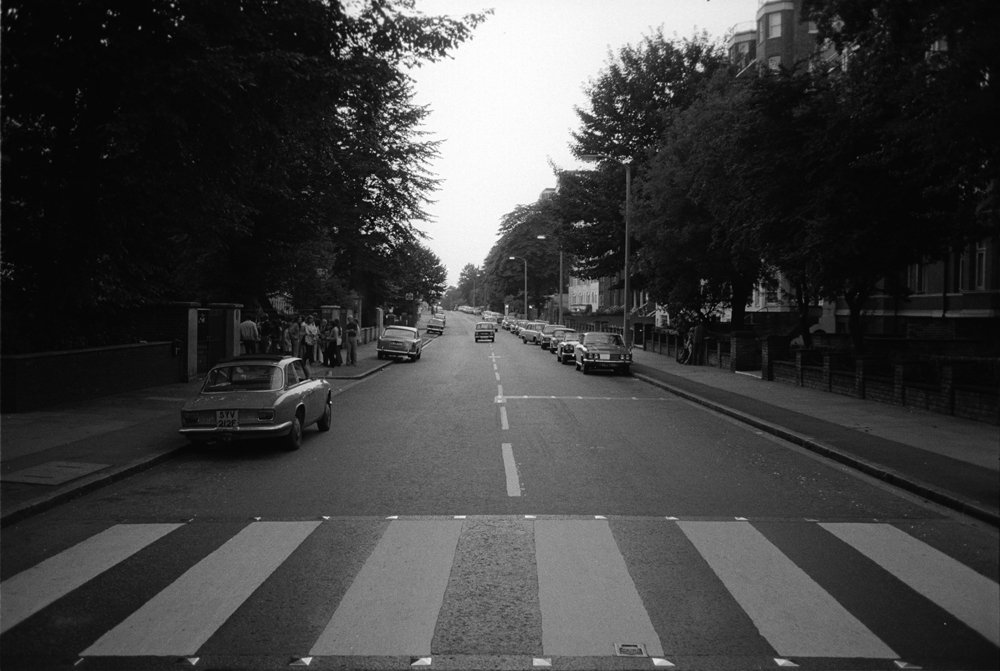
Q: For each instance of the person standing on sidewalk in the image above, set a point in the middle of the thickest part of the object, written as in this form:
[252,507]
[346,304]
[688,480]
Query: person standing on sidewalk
[351,337]
[310,339]
[286,338]
[249,335]
[335,343]
[295,334]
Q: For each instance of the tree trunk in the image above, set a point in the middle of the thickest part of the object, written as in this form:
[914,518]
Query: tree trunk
[855,302]
[740,293]
[805,323]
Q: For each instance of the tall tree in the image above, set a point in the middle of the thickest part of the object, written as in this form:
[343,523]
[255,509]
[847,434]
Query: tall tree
[630,104]
[184,149]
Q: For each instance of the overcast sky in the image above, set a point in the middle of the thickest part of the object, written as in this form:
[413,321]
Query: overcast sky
[504,103]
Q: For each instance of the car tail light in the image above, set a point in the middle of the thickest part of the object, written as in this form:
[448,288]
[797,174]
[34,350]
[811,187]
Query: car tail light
[266,415]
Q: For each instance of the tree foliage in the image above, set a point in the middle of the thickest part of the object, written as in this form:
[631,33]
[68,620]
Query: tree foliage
[209,149]
[519,237]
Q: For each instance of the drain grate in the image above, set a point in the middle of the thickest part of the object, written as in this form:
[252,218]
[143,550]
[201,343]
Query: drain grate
[630,650]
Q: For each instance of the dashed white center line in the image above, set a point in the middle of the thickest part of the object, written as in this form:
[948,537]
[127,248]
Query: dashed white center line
[510,468]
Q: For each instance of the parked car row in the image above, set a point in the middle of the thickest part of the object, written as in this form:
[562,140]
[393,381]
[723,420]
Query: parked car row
[588,351]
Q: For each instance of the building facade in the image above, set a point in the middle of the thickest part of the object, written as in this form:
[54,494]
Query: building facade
[955,298]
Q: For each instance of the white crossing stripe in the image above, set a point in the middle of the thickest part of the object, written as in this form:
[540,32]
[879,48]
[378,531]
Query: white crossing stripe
[794,614]
[972,598]
[392,606]
[178,620]
[587,597]
[26,593]
[510,469]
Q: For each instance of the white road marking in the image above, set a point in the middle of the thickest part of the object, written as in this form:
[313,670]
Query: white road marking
[26,593]
[796,616]
[391,607]
[587,597]
[972,598]
[588,398]
[504,425]
[178,620]
[510,470]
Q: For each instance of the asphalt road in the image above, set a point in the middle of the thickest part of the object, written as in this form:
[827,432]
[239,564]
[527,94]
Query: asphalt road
[487,507]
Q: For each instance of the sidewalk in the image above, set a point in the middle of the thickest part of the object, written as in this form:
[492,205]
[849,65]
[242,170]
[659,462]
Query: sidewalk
[50,456]
[948,460]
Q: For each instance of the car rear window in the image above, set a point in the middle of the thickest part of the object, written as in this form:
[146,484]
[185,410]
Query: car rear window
[603,339]
[254,377]
[397,333]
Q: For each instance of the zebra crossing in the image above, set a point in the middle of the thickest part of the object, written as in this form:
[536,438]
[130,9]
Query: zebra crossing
[534,591]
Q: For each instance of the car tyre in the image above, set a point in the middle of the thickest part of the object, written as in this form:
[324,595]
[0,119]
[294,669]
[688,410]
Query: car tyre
[326,421]
[293,440]
[585,368]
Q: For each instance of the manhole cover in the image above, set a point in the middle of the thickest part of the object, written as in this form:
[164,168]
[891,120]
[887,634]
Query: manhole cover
[630,650]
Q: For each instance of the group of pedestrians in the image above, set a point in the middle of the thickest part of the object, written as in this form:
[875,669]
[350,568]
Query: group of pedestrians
[323,342]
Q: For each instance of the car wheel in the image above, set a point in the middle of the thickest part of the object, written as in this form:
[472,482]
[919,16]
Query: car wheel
[585,369]
[326,421]
[381,356]
[293,440]
[626,371]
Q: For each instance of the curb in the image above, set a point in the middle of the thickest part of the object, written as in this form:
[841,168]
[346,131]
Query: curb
[879,472]
[85,486]
[114,474]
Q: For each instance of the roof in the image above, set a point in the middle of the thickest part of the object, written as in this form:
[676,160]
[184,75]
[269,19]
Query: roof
[265,358]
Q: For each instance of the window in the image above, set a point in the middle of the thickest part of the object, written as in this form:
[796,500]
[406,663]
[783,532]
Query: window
[774,25]
[963,270]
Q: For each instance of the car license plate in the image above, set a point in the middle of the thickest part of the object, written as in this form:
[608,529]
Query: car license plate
[227,419]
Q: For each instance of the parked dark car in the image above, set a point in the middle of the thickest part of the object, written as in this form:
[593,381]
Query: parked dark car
[606,351]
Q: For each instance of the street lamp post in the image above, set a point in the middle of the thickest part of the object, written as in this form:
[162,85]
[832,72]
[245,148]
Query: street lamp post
[628,216]
[559,290]
[511,258]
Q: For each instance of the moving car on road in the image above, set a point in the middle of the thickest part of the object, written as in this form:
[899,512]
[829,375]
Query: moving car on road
[598,350]
[397,341]
[435,325]
[485,331]
[258,396]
